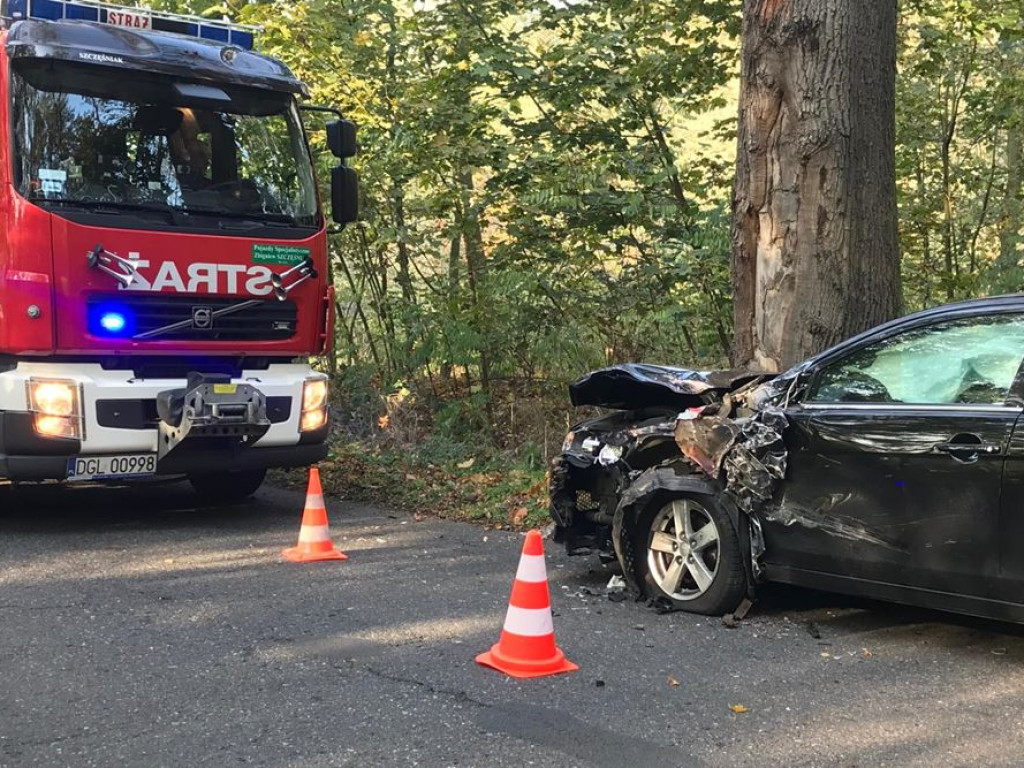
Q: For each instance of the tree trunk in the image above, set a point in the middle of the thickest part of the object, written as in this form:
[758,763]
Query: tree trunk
[1007,275]
[815,254]
[476,275]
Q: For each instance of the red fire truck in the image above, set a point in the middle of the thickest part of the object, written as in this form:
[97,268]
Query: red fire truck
[162,251]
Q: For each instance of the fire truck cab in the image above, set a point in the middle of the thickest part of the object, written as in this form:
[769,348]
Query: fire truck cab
[163,251]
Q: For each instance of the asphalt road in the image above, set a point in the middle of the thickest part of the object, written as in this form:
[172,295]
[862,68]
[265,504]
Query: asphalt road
[137,630]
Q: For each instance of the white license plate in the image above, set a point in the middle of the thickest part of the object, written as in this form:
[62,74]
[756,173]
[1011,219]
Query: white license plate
[129,19]
[111,467]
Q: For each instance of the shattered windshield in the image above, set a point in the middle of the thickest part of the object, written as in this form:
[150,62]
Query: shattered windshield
[141,142]
[971,361]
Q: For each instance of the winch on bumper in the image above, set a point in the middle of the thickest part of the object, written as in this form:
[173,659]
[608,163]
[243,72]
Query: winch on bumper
[183,427]
[210,412]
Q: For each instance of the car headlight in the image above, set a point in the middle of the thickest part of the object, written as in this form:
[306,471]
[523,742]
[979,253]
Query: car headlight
[314,404]
[609,455]
[57,405]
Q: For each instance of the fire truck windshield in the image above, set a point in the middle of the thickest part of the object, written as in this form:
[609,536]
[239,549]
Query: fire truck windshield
[146,143]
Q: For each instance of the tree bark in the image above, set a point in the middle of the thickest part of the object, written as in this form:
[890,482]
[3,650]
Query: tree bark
[815,253]
[1007,274]
[476,275]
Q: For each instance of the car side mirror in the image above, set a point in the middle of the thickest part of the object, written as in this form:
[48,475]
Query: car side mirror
[344,195]
[341,138]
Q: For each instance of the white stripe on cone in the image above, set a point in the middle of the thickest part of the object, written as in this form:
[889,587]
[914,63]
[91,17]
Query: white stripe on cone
[315,502]
[309,533]
[531,622]
[532,569]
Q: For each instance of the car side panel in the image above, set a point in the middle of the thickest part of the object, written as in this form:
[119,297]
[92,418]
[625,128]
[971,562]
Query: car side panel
[867,496]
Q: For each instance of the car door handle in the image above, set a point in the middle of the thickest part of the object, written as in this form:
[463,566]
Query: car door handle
[964,450]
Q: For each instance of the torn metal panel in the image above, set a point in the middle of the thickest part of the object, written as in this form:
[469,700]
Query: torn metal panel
[756,464]
[756,547]
[635,386]
[705,441]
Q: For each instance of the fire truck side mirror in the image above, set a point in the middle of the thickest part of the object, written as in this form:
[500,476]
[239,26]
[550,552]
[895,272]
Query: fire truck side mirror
[344,195]
[341,138]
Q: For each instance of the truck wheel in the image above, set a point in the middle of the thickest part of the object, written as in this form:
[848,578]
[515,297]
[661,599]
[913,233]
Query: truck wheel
[689,555]
[227,487]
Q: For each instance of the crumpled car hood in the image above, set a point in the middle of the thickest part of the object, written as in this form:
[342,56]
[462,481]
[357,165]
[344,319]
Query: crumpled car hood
[635,386]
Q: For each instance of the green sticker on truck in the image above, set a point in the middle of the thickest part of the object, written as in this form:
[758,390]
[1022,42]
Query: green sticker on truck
[265,253]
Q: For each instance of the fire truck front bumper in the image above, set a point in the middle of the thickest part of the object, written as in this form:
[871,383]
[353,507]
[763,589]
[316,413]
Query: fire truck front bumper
[80,422]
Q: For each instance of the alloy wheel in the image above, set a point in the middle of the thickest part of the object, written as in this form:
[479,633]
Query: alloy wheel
[684,550]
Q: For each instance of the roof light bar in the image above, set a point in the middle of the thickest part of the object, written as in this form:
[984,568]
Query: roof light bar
[241,35]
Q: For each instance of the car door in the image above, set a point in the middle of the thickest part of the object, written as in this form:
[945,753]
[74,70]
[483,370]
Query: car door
[896,455]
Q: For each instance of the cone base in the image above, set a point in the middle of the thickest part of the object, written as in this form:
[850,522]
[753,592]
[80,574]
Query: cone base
[524,668]
[301,555]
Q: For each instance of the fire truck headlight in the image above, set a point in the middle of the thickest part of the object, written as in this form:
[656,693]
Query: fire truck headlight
[314,394]
[313,420]
[314,404]
[56,426]
[57,407]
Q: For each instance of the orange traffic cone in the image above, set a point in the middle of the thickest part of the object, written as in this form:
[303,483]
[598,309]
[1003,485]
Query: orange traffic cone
[314,535]
[527,645]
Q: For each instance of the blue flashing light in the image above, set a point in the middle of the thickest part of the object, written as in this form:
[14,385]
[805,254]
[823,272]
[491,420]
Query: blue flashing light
[241,35]
[113,322]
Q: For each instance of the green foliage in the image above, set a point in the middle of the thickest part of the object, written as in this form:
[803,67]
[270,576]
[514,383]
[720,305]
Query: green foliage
[959,110]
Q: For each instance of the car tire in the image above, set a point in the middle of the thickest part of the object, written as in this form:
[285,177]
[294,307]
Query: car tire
[705,563]
[227,487]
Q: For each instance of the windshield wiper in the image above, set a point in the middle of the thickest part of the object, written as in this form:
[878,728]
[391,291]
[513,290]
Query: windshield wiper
[257,217]
[114,207]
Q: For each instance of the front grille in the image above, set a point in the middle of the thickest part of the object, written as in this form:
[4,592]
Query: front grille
[263,321]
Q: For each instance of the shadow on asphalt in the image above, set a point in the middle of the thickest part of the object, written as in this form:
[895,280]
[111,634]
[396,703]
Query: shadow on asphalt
[63,508]
[826,616]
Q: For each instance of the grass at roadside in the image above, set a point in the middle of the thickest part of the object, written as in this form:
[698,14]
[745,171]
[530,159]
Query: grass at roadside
[495,491]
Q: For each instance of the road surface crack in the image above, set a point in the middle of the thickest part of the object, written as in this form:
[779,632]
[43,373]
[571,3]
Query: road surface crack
[459,696]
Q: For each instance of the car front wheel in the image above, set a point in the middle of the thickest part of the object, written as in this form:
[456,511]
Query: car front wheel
[690,555]
[227,487]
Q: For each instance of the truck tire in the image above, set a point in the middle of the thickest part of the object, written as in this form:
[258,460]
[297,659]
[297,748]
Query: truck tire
[227,487]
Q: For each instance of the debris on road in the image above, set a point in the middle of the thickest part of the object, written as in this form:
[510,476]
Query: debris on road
[732,620]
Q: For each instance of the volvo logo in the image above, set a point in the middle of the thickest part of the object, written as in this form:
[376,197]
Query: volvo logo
[202,318]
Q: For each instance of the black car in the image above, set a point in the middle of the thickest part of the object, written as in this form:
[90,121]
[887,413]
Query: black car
[890,466]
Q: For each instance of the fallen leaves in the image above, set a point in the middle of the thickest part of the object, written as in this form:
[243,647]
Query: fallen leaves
[489,491]
[673,682]
[739,709]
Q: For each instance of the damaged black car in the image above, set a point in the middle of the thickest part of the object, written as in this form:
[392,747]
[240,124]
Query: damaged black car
[890,466]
